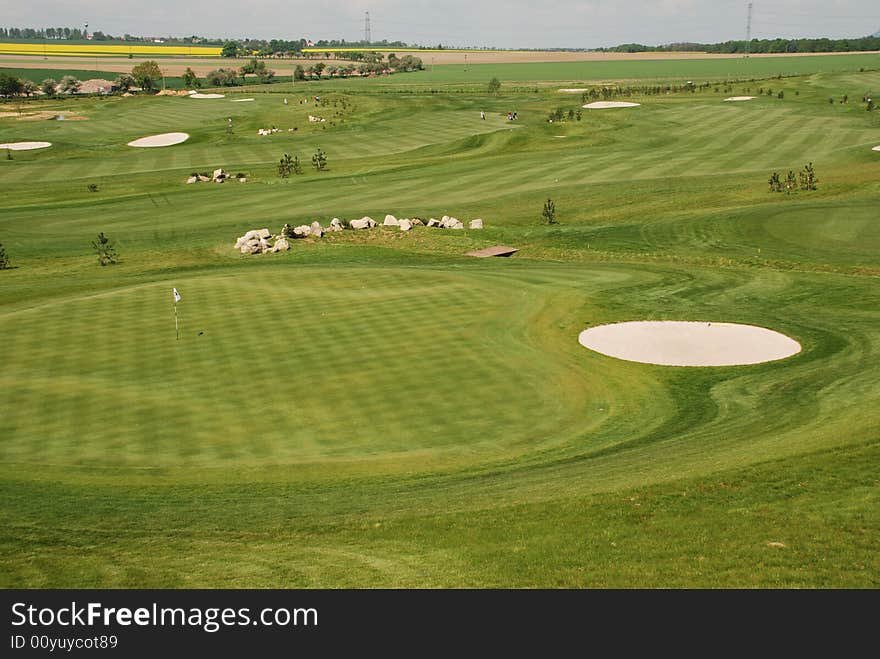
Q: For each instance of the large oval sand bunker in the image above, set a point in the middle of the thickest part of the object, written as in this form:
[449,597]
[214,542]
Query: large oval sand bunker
[689,343]
[165,139]
[25,146]
[604,105]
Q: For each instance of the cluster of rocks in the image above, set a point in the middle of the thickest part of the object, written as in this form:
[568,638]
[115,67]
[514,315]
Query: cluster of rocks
[257,242]
[315,119]
[267,131]
[261,241]
[405,224]
[219,176]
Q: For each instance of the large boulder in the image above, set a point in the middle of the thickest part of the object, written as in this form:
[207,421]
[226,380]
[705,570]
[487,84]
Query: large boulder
[433,222]
[405,225]
[390,221]
[281,245]
[476,224]
[193,179]
[302,231]
[249,248]
[364,223]
[317,229]
[449,222]
[416,222]
[456,225]
[335,225]
[219,175]
[263,233]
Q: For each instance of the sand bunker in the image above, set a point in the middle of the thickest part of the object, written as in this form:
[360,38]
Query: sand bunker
[688,343]
[241,100]
[24,146]
[602,105]
[197,95]
[573,90]
[740,98]
[876,148]
[165,139]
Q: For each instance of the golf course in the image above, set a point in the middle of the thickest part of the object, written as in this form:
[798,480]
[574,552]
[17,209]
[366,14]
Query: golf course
[374,408]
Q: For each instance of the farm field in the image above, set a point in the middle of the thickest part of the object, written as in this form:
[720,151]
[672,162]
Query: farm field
[376,409]
[475,68]
[91,48]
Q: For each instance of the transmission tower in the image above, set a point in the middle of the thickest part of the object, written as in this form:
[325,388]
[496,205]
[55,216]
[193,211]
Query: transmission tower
[749,30]
[367,37]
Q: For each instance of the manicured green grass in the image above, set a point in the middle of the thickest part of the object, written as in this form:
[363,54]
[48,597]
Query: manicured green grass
[649,71]
[375,409]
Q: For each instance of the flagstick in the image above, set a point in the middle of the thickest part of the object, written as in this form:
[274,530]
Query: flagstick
[176,323]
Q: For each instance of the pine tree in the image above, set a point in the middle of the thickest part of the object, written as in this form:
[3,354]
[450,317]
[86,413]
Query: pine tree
[549,212]
[319,160]
[104,249]
[285,165]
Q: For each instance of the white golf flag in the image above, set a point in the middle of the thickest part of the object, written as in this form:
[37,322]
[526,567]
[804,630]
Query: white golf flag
[176,296]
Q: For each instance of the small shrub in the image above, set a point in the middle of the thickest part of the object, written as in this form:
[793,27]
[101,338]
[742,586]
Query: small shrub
[93,187]
[4,259]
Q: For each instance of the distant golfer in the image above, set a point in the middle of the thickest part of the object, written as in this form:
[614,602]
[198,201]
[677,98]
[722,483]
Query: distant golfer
[482,115]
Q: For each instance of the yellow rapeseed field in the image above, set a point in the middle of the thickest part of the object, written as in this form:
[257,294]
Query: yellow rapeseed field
[93,49]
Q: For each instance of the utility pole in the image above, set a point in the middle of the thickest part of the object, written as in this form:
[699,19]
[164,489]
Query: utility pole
[749,30]
[367,36]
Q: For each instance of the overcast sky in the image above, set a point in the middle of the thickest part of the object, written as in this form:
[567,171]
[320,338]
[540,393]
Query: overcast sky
[461,23]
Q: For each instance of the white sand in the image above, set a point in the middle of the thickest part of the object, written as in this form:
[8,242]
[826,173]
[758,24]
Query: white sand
[601,105]
[241,100]
[165,139]
[688,343]
[24,146]
[573,91]
[876,148]
[740,98]
[197,95]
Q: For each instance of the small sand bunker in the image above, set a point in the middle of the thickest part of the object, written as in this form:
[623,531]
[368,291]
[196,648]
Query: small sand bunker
[197,95]
[24,146]
[876,148]
[603,105]
[165,139]
[574,90]
[689,343]
[740,98]
[241,100]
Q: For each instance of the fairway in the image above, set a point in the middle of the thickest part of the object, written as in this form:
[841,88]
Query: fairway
[374,408]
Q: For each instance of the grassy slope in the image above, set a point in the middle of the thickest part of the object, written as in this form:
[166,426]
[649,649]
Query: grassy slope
[330,426]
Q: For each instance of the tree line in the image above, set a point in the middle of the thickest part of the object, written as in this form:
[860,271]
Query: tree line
[78,34]
[821,45]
